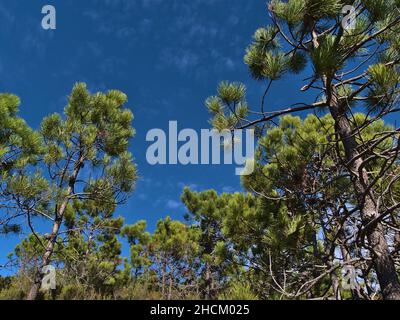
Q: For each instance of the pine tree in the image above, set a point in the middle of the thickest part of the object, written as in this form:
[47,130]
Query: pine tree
[19,147]
[138,239]
[171,253]
[210,213]
[349,66]
[89,169]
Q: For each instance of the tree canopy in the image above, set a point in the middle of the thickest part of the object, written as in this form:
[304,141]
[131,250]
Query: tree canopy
[317,219]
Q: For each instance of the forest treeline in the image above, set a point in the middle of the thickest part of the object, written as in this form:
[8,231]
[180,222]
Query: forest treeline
[317,219]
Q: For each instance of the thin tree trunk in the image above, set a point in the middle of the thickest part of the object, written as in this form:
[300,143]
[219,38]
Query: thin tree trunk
[34,290]
[335,286]
[383,262]
[207,280]
[164,278]
[170,284]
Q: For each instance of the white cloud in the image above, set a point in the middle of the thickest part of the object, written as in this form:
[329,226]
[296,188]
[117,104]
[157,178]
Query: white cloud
[172,204]
[228,189]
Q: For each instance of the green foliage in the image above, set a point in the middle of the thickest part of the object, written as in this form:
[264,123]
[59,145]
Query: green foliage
[382,76]
[266,38]
[238,291]
[229,107]
[167,259]
[318,9]
[13,288]
[297,216]
[378,9]
[292,11]
[384,81]
[297,62]
[89,173]
[265,64]
[20,147]
[296,11]
[231,92]
[326,58]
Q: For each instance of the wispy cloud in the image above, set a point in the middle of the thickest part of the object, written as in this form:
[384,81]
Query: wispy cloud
[174,205]
[180,35]
[183,60]
[6,15]
[229,189]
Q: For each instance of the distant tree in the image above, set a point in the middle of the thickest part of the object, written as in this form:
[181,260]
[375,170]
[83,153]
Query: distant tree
[138,239]
[254,237]
[208,212]
[170,253]
[5,282]
[87,257]
[90,254]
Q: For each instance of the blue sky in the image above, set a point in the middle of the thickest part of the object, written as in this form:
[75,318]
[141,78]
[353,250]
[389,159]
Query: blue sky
[167,55]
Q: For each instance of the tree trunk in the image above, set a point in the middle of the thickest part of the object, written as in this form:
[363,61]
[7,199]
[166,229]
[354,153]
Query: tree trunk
[382,260]
[335,286]
[170,286]
[34,290]
[164,278]
[208,280]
